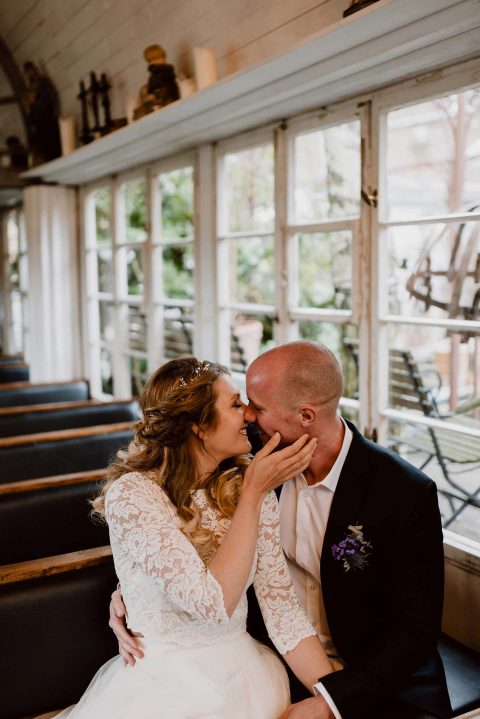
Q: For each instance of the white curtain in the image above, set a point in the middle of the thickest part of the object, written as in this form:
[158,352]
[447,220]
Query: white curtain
[53,284]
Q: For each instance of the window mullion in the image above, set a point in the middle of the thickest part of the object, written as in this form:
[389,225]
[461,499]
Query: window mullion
[283,277]
[379,360]
[205,248]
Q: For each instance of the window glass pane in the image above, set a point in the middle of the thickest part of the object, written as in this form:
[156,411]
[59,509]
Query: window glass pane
[451,460]
[106,370]
[248,184]
[135,211]
[104,268]
[327,173]
[177,332]
[13,241]
[176,196]
[433,158]
[135,277]
[350,414]
[435,271]
[107,328]
[342,340]
[432,370]
[325,270]
[137,328]
[251,263]
[249,336]
[138,374]
[23,271]
[17,319]
[178,266]
[102,199]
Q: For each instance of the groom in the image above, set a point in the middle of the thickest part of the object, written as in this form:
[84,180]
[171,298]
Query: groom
[362,535]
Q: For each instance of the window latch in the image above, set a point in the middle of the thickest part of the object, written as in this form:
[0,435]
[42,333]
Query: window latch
[371,199]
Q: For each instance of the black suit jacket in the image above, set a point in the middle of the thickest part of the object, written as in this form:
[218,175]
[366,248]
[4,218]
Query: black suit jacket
[385,618]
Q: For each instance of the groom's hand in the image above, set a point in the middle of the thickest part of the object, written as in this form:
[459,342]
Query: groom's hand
[127,644]
[314,708]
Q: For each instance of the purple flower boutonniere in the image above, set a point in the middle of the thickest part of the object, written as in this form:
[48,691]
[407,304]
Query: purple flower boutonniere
[354,550]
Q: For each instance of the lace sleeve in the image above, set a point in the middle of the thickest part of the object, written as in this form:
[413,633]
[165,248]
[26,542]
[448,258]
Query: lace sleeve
[140,520]
[286,621]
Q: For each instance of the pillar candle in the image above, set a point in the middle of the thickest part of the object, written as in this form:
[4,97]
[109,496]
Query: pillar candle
[68,136]
[205,66]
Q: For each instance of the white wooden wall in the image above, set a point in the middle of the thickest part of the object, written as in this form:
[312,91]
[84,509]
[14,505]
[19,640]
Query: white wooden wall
[69,38]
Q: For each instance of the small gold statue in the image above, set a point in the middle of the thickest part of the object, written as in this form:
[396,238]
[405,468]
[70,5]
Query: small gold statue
[161,88]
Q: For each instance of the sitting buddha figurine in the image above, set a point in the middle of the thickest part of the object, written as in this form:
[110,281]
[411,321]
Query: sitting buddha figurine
[161,88]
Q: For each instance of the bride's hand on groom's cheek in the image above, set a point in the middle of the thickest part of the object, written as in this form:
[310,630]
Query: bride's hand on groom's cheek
[271,466]
[127,644]
[314,708]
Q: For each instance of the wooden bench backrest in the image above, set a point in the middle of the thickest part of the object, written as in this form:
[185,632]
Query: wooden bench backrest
[54,619]
[48,418]
[406,386]
[72,450]
[64,434]
[57,513]
[178,342]
[26,393]
[57,406]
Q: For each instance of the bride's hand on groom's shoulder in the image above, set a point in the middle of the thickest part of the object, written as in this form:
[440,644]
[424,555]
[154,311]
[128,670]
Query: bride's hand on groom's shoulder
[314,708]
[128,646]
[269,468]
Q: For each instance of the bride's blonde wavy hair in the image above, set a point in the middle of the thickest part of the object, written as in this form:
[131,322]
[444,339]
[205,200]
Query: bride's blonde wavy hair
[178,395]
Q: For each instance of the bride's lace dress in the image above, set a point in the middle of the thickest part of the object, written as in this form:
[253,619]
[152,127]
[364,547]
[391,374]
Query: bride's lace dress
[198,662]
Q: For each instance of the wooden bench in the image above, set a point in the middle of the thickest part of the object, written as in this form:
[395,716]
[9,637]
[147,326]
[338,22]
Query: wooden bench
[9,359]
[28,419]
[55,633]
[408,390]
[14,372]
[178,342]
[62,452]
[22,393]
[50,515]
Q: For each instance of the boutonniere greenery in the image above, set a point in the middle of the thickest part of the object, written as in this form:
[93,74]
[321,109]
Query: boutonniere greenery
[354,550]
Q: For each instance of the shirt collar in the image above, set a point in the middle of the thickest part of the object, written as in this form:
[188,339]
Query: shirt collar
[331,480]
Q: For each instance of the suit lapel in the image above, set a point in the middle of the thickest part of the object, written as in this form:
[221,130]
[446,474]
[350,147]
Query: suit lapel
[348,499]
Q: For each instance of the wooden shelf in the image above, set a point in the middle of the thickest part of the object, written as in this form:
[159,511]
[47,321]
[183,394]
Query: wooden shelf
[386,42]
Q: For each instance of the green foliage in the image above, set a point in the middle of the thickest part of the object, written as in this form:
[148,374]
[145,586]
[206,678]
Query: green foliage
[176,191]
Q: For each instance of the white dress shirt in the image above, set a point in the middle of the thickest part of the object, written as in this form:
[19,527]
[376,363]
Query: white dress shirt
[304,512]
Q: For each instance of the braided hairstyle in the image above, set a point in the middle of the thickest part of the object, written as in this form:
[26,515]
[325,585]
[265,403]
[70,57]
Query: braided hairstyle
[179,394]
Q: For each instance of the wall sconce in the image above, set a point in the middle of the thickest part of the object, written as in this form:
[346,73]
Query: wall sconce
[356,5]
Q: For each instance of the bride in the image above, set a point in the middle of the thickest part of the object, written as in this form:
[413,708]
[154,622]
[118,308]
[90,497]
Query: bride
[193,522]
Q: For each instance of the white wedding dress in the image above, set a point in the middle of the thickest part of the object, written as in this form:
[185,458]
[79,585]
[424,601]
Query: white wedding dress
[198,662]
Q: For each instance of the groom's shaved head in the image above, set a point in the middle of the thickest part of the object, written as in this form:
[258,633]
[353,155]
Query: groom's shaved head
[301,373]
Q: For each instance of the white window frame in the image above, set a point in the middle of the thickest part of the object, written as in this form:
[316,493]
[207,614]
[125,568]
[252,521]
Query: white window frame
[157,301]
[412,91]
[239,143]
[9,328]
[212,309]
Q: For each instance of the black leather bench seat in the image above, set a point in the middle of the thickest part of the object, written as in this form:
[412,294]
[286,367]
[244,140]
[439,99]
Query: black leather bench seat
[32,421]
[57,634]
[25,393]
[44,522]
[43,459]
[462,669]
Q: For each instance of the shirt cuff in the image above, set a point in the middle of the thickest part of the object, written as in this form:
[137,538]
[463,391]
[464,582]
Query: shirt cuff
[319,690]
